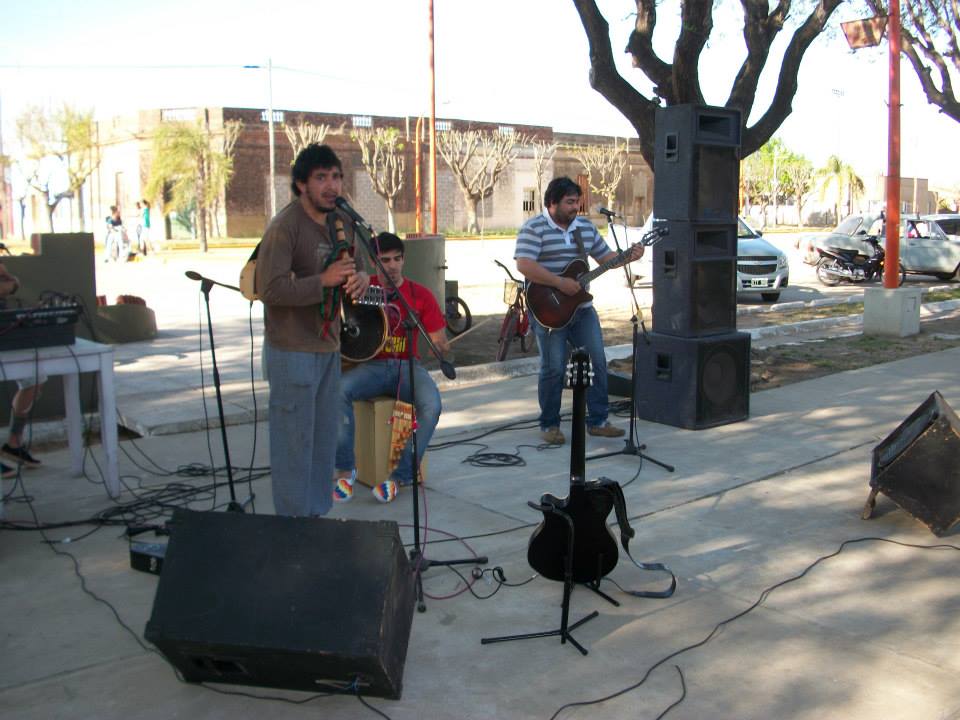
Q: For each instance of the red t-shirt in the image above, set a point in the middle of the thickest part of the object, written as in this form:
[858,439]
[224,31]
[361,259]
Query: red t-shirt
[425,305]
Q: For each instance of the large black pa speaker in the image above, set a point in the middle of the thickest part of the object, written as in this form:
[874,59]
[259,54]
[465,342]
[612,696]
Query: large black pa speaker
[696,163]
[693,383]
[693,298]
[299,603]
[916,465]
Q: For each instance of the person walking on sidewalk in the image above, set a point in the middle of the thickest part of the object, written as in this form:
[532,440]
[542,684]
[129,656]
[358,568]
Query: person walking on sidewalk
[389,374]
[305,265]
[546,244]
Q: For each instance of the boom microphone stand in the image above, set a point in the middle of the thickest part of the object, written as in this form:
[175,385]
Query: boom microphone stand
[630,446]
[413,326]
[206,284]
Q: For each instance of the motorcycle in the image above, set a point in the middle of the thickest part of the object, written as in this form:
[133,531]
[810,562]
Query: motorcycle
[836,265]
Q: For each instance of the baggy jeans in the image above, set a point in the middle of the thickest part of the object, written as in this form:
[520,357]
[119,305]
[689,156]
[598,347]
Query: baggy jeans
[304,420]
[555,346]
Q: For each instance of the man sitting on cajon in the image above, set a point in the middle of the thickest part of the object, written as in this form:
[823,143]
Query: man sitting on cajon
[388,374]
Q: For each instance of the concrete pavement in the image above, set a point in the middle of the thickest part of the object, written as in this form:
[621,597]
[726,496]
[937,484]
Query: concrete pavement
[871,632]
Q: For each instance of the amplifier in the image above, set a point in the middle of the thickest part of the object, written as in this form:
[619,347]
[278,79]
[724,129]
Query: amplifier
[41,326]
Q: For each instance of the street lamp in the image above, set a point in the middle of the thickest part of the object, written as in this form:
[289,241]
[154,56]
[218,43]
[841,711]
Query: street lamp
[273,178]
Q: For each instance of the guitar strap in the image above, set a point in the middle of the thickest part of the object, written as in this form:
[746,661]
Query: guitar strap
[627,532]
[579,240]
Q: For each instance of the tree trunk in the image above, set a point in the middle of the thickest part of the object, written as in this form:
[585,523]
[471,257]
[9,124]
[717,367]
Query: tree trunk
[471,204]
[50,211]
[391,220]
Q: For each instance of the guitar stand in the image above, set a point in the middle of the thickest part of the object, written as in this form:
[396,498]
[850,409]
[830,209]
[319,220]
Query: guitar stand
[565,628]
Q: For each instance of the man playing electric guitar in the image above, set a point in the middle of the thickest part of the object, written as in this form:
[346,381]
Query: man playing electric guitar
[546,244]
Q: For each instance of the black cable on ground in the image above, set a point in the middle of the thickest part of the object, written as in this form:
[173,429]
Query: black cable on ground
[733,618]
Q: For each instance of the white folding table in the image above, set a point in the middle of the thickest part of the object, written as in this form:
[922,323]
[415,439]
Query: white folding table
[69,361]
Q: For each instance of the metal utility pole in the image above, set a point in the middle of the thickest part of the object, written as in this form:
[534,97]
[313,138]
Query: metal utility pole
[891,264]
[433,133]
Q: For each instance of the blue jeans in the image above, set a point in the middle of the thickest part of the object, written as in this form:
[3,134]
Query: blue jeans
[387,377]
[304,390]
[555,346]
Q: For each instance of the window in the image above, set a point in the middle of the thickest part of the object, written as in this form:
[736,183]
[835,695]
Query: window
[178,115]
[277,116]
[506,130]
[529,200]
[584,182]
[362,121]
[443,125]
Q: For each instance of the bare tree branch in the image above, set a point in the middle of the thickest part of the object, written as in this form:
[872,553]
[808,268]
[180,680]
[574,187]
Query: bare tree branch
[381,152]
[604,165]
[477,159]
[678,81]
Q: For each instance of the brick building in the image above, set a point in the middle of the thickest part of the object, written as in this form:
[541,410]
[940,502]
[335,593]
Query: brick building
[244,208]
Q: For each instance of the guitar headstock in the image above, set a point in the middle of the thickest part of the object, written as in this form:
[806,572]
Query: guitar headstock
[579,369]
[660,230]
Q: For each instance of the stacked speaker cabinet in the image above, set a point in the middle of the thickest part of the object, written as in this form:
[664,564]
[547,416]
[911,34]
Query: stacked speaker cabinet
[693,370]
[299,603]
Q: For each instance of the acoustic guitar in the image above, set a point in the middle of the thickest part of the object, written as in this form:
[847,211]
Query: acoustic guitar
[585,509]
[554,309]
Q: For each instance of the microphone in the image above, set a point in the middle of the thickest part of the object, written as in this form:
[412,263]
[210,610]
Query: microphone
[608,213]
[342,203]
[193,275]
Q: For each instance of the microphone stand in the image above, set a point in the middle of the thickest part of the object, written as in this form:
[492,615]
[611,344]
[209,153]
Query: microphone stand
[206,284]
[630,446]
[413,325]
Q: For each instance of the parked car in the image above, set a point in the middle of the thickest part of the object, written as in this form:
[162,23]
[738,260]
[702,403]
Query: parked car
[761,266]
[929,244]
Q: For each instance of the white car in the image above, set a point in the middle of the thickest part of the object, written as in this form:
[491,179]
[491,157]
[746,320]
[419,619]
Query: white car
[761,267]
[930,245]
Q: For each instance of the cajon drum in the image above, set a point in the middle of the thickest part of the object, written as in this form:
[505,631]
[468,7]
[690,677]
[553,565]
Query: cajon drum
[371,440]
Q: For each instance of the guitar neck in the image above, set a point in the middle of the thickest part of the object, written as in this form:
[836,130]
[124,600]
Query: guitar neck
[648,239]
[603,267]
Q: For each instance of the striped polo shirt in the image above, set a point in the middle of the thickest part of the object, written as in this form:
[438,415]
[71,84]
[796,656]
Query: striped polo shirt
[541,239]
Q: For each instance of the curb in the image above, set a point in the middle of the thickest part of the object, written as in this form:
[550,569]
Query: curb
[497,371]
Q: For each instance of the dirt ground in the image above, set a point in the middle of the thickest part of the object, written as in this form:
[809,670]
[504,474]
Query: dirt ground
[770,367]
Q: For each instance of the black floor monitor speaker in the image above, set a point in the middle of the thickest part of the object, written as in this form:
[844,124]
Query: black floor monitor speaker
[693,297]
[916,466]
[298,603]
[696,163]
[693,383]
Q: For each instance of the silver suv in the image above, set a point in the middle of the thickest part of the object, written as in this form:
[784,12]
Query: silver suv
[761,266]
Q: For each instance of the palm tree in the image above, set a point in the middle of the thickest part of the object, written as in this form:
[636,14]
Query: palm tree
[848,184]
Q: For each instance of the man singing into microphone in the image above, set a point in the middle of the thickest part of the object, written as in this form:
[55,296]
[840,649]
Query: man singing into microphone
[546,244]
[305,265]
[389,374]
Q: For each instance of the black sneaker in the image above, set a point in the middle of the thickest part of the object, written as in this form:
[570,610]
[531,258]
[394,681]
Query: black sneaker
[7,472]
[19,455]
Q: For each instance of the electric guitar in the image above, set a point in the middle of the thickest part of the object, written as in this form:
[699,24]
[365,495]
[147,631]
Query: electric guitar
[554,309]
[583,512]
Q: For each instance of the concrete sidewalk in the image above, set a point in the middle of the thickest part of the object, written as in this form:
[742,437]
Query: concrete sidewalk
[870,633]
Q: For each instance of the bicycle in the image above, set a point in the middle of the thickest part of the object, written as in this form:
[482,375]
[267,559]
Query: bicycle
[516,323]
[457,315]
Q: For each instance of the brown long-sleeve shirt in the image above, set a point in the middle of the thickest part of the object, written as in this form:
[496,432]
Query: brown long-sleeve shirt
[292,255]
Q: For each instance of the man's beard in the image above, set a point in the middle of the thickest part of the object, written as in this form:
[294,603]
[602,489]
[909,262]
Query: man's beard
[320,207]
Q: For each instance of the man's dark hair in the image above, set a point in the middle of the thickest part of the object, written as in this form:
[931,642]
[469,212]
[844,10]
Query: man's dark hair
[313,156]
[558,189]
[387,242]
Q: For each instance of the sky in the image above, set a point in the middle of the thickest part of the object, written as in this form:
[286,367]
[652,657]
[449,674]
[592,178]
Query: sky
[512,61]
